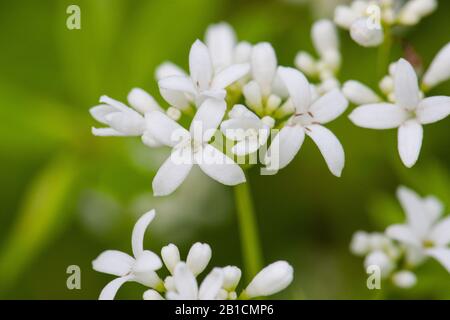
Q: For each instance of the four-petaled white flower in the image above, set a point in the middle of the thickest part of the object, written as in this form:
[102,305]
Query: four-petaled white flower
[424,231]
[247,129]
[204,82]
[140,268]
[192,147]
[408,114]
[123,120]
[309,117]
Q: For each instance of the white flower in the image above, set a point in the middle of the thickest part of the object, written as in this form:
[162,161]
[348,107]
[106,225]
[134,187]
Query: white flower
[424,231]
[140,268]
[204,82]
[359,93]
[308,120]
[404,279]
[247,128]
[414,10]
[408,113]
[365,34]
[186,287]
[382,260]
[192,147]
[439,69]
[123,120]
[270,280]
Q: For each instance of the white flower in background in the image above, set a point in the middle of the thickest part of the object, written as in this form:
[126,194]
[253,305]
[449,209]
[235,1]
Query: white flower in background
[366,19]
[123,120]
[408,114]
[204,82]
[325,40]
[308,119]
[381,260]
[192,147]
[404,279]
[358,93]
[424,230]
[140,268]
[439,69]
[247,129]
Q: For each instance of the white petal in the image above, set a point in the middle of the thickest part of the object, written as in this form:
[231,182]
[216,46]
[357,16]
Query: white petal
[100,112]
[440,234]
[366,32]
[148,278]
[404,279]
[137,237]
[113,262]
[442,255]
[329,146]
[406,88]
[344,16]
[173,172]
[230,75]
[119,106]
[253,95]
[264,65]
[297,86]
[150,141]
[410,136]
[439,69]
[110,290]
[434,207]
[152,295]
[146,262]
[247,146]
[106,132]
[242,52]
[239,128]
[200,65]
[324,36]
[220,40]
[177,83]
[163,129]
[270,280]
[211,285]
[359,93]
[404,234]
[185,282]
[219,166]
[175,98]
[329,106]
[171,256]
[198,257]
[231,277]
[168,69]
[284,147]
[241,111]
[207,119]
[378,116]
[415,211]
[143,102]
[433,109]
[128,123]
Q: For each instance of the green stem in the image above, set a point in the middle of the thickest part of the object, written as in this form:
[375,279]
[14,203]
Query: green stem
[251,247]
[384,53]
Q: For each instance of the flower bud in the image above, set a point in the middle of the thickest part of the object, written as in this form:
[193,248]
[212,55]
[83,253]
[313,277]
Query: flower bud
[380,259]
[404,279]
[152,295]
[439,69]
[142,101]
[344,16]
[324,36]
[171,256]
[173,113]
[306,63]
[220,40]
[414,10]
[360,244]
[366,34]
[386,85]
[198,257]
[231,277]
[359,93]
[270,280]
[264,66]
[242,52]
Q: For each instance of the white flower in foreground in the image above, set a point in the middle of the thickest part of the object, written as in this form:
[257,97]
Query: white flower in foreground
[439,70]
[308,119]
[140,268]
[123,120]
[270,280]
[204,82]
[408,114]
[192,147]
[247,129]
[423,231]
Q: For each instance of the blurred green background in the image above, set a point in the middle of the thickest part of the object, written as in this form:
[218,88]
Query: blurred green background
[66,195]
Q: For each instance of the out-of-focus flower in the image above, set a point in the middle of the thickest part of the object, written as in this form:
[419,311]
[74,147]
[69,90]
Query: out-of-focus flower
[439,70]
[192,147]
[308,120]
[358,93]
[140,268]
[204,81]
[404,279]
[408,114]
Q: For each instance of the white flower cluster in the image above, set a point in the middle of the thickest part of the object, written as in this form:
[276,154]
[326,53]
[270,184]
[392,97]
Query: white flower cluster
[181,284]
[239,90]
[403,247]
[367,19]
[407,108]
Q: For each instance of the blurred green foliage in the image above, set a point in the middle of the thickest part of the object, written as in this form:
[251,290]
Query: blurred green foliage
[66,195]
